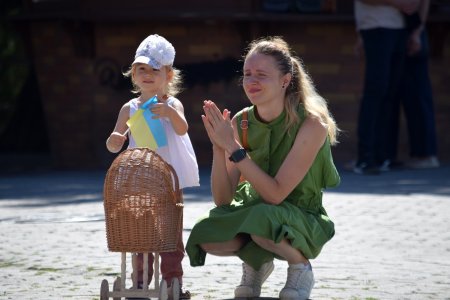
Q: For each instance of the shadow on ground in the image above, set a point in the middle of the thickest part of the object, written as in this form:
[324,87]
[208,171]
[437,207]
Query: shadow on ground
[45,188]
[402,181]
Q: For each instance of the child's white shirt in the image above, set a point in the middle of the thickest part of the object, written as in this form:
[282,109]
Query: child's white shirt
[179,151]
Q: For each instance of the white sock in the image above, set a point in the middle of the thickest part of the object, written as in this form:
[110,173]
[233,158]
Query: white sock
[300,266]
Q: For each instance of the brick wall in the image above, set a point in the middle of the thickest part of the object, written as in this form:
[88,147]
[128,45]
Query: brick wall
[79,69]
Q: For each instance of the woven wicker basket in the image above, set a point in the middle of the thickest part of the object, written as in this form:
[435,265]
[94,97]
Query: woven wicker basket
[143,203]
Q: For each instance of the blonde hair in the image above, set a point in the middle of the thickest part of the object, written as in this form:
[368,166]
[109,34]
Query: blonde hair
[301,88]
[173,88]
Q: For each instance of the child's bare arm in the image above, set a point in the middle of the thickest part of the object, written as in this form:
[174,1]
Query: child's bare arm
[117,138]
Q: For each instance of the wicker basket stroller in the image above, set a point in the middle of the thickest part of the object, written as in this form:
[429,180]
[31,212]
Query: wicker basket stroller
[143,214]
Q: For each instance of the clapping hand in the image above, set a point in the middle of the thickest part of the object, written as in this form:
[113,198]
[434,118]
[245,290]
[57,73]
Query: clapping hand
[217,125]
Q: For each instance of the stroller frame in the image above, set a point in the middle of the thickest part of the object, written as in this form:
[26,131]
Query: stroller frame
[121,232]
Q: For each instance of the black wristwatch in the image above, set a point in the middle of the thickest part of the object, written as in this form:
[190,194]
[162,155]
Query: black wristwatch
[238,155]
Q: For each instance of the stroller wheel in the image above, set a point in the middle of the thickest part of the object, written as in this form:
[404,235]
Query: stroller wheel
[117,287]
[175,289]
[104,290]
[163,290]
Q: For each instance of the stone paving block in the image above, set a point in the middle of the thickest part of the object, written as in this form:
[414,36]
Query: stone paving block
[392,240]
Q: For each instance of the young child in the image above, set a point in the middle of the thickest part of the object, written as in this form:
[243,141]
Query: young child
[152,73]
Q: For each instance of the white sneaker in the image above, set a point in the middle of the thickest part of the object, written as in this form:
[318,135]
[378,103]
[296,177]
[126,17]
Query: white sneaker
[424,163]
[299,283]
[252,280]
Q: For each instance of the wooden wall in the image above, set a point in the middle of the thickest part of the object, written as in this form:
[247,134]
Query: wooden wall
[79,64]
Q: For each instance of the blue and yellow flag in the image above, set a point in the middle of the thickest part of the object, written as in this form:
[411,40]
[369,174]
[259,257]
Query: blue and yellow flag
[146,131]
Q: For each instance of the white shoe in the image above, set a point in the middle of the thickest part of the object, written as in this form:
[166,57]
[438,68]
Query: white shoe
[299,283]
[424,163]
[252,280]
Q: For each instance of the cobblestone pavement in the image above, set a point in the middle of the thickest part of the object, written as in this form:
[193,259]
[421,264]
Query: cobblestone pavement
[392,239]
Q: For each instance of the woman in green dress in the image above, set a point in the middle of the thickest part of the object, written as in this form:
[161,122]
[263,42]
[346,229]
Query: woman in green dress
[276,212]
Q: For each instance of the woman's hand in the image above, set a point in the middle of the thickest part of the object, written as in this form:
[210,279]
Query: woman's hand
[414,45]
[217,125]
[358,48]
[224,174]
[406,6]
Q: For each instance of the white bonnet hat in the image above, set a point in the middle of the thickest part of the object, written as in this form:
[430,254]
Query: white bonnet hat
[155,51]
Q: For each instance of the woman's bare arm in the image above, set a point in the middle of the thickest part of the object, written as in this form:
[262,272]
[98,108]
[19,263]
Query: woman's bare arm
[308,142]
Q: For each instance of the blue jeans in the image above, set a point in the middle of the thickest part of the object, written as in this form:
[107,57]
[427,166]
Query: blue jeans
[384,50]
[416,96]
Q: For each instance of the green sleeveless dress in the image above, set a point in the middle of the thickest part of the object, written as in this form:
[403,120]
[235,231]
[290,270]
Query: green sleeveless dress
[300,218]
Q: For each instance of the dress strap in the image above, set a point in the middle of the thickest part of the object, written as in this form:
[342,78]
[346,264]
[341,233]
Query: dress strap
[244,128]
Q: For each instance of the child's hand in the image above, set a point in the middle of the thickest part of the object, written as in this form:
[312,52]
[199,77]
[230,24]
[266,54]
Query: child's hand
[161,110]
[115,142]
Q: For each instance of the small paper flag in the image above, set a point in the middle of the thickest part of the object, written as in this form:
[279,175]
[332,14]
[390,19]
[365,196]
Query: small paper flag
[147,132]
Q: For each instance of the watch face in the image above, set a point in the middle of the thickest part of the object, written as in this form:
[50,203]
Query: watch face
[238,155]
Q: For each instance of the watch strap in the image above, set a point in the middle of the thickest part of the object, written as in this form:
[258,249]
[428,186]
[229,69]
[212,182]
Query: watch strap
[238,155]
